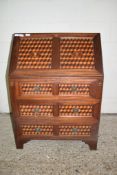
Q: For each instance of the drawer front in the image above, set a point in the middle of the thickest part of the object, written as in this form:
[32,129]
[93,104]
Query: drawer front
[74,89]
[54,110]
[49,130]
[41,130]
[81,88]
[75,130]
[35,110]
[35,89]
[76,110]
[58,130]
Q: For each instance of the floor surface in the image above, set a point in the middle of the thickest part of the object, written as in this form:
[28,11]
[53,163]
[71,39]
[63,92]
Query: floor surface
[59,157]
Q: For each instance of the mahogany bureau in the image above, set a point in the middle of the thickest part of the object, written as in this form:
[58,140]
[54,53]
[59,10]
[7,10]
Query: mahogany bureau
[55,83]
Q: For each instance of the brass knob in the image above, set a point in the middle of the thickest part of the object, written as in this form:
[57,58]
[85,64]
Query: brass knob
[75,110]
[37,89]
[37,129]
[74,88]
[36,110]
[74,129]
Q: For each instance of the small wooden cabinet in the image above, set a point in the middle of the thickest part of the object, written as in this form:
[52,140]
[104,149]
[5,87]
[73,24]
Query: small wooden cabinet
[55,82]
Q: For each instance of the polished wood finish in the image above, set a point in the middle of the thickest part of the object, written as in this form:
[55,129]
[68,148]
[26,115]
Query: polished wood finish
[55,83]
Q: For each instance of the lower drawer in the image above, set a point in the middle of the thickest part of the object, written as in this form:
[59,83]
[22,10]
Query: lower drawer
[37,130]
[60,130]
[75,130]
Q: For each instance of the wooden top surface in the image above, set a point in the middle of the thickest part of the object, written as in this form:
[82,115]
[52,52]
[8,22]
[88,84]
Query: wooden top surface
[56,54]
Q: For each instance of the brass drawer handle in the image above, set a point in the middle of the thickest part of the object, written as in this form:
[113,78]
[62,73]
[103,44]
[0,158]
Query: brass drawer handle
[36,110]
[37,89]
[74,129]
[75,110]
[74,88]
[37,129]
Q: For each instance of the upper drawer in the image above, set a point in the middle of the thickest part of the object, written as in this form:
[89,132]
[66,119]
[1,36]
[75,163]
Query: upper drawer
[89,89]
[32,88]
[74,89]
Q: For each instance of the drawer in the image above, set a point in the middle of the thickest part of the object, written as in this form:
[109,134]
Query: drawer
[81,88]
[30,110]
[74,89]
[47,89]
[58,130]
[76,110]
[41,110]
[35,88]
[75,130]
[41,130]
